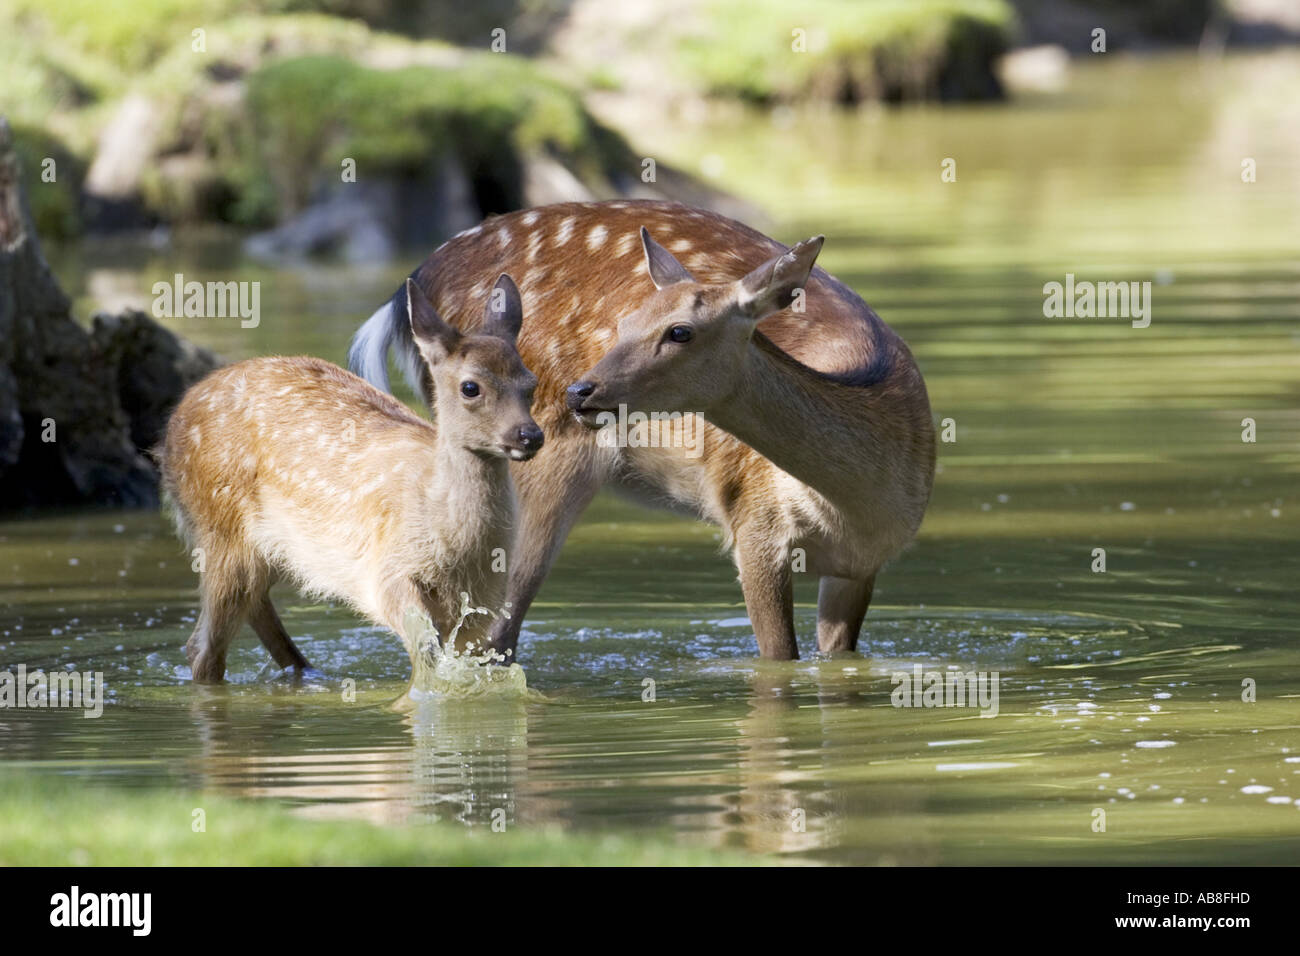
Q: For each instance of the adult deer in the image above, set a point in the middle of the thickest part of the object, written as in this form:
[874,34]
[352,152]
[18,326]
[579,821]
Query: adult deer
[819,434]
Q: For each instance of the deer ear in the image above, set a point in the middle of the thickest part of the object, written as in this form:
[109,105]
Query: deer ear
[664,268]
[771,287]
[504,313]
[435,337]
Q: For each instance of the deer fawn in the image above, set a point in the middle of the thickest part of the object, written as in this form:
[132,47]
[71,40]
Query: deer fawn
[293,467]
[819,436]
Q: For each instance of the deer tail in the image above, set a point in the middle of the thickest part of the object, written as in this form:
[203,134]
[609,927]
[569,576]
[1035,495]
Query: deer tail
[388,329]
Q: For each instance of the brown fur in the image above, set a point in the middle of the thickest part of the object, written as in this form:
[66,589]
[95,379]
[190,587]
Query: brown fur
[819,436]
[294,467]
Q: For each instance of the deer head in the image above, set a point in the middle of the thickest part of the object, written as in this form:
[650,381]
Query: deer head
[683,349]
[482,391]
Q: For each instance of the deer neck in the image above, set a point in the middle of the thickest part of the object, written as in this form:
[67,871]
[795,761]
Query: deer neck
[470,485]
[819,431]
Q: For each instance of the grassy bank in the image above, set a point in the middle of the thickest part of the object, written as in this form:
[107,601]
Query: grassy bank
[889,50]
[765,52]
[46,822]
[245,111]
[246,128]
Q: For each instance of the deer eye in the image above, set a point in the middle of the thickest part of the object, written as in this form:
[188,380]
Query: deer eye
[469,389]
[681,334]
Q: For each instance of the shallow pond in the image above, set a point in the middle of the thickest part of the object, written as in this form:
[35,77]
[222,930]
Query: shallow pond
[1119,690]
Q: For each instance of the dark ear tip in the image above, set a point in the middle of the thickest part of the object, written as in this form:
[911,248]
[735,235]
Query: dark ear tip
[505,284]
[509,316]
[645,234]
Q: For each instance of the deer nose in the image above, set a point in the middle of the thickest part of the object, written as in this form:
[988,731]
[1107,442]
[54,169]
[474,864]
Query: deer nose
[577,393]
[531,438]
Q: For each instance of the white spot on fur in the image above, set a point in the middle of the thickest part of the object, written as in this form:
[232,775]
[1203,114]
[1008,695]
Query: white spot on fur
[529,218]
[566,230]
[596,238]
[682,245]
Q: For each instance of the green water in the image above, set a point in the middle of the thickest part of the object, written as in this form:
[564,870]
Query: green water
[1120,691]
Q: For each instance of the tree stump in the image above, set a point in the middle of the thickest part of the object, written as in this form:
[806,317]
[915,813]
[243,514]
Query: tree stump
[78,410]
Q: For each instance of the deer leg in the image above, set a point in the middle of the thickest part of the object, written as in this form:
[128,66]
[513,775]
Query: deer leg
[223,610]
[768,585]
[552,492]
[841,605]
[401,595]
[272,634]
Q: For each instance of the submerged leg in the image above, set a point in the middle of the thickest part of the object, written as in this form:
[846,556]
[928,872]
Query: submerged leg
[224,609]
[841,605]
[274,637]
[766,580]
[402,595]
[553,491]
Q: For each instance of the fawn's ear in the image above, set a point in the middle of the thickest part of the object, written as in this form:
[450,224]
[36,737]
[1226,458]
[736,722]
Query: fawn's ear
[663,265]
[505,310]
[771,287]
[435,338]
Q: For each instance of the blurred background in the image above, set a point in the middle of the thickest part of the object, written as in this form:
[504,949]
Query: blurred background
[185,113]
[1116,140]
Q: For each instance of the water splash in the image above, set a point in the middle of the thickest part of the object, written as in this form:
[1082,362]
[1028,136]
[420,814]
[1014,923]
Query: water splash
[439,669]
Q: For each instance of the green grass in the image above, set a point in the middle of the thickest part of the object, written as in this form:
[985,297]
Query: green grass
[58,822]
[132,34]
[855,50]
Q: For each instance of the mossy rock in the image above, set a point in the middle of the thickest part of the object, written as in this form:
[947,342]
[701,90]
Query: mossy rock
[255,126]
[849,52]
[51,176]
[307,115]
